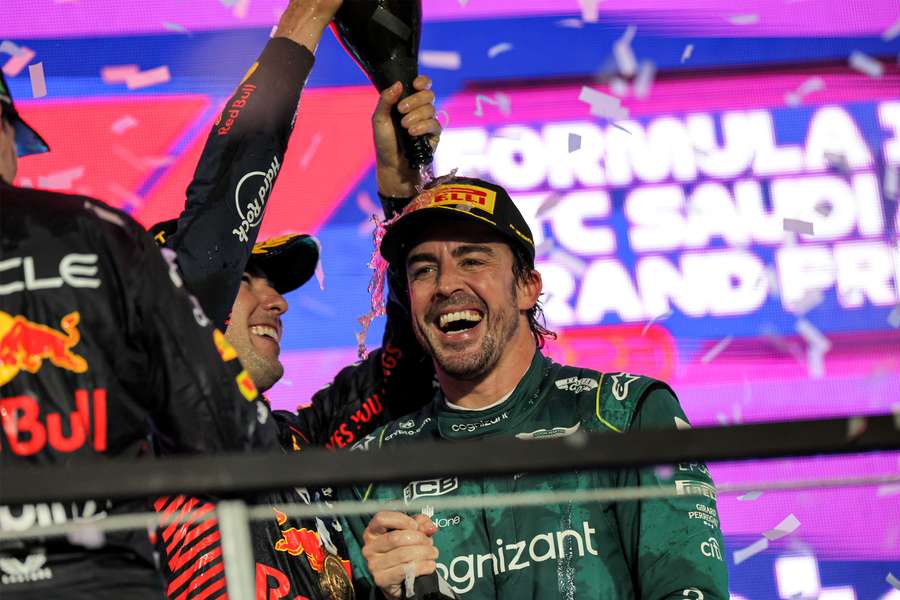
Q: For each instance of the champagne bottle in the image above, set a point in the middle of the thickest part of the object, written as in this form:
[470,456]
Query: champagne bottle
[382,36]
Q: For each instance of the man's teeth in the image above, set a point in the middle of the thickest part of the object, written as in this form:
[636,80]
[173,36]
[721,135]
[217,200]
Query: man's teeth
[265,330]
[463,315]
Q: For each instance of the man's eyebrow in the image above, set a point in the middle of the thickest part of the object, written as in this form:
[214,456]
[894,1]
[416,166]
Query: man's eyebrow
[420,257]
[470,249]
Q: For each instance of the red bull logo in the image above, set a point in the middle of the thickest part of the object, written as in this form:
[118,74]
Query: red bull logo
[24,345]
[299,542]
[28,432]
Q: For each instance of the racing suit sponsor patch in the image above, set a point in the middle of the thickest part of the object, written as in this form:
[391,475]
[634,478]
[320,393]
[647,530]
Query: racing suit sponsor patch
[429,487]
[250,198]
[555,432]
[24,571]
[711,549]
[620,385]
[576,385]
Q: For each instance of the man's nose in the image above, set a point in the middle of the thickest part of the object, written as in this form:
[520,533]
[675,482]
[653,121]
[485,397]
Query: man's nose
[449,279]
[272,301]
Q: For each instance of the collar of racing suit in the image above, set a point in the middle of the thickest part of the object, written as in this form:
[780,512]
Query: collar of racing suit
[499,419]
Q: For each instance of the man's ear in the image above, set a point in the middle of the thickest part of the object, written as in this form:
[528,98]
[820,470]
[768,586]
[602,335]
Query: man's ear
[529,290]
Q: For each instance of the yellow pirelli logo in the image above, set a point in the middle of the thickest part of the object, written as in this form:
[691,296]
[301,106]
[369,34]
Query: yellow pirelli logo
[276,242]
[479,197]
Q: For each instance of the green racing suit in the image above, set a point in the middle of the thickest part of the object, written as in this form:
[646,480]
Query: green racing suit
[649,549]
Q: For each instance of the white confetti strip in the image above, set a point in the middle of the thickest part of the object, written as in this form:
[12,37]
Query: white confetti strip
[176,27]
[894,317]
[895,583]
[118,73]
[686,54]
[618,86]
[750,496]
[644,80]
[891,32]
[813,336]
[240,9]
[499,49]
[544,247]
[18,62]
[123,124]
[752,550]
[788,526]
[656,319]
[105,214]
[748,19]
[387,20]
[813,84]
[888,489]
[325,537]
[716,350]
[603,105]
[590,10]
[866,64]
[573,263]
[320,270]
[574,142]
[571,23]
[60,180]
[624,55]
[856,426]
[500,100]
[891,182]
[824,208]
[810,300]
[38,83]
[310,150]
[149,77]
[89,536]
[798,226]
[10,47]
[409,579]
[440,59]
[549,203]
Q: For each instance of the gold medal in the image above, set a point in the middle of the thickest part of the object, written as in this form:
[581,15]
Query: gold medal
[334,580]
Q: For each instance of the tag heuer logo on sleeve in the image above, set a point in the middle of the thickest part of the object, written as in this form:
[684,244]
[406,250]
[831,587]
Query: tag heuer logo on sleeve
[576,385]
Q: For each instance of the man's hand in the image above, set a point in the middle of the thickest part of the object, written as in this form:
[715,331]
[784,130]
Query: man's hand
[393,540]
[394,175]
[304,21]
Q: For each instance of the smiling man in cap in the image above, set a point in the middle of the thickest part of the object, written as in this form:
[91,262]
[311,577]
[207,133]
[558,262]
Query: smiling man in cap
[467,257]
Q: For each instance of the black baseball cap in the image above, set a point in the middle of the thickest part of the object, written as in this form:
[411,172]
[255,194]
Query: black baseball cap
[27,139]
[288,260]
[463,199]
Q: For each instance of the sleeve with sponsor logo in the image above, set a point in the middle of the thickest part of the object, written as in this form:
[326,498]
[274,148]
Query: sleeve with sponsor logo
[674,545]
[199,395]
[235,176]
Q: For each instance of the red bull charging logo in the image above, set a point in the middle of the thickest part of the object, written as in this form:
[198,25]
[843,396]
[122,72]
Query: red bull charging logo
[25,345]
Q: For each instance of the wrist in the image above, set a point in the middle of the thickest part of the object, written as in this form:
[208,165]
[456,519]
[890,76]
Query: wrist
[303,25]
[396,182]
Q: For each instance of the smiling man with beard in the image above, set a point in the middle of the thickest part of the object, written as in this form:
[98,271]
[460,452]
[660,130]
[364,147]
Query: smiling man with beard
[467,255]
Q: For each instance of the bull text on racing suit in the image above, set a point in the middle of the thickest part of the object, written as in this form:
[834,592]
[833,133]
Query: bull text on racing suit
[100,346]
[661,549]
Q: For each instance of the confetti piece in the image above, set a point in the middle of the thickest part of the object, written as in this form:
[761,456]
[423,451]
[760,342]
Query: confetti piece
[500,100]
[655,319]
[499,49]
[325,537]
[573,263]
[105,213]
[320,270]
[798,226]
[809,300]
[571,23]
[644,80]
[891,182]
[574,142]
[147,78]
[866,64]
[686,54]
[888,489]
[439,59]
[856,426]
[311,150]
[895,583]
[750,19]
[624,55]
[750,496]
[838,162]
[813,336]
[89,536]
[18,62]
[590,10]
[716,350]
[603,105]
[894,317]
[409,579]
[824,208]
[891,32]
[123,124]
[618,86]
[38,83]
[176,27]
[61,180]
[549,203]
[664,471]
[240,9]
[751,550]
[544,247]
[788,526]
[118,73]
[387,20]
[10,47]
[813,84]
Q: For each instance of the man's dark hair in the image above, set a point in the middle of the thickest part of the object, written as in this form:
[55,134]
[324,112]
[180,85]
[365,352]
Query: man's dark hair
[522,269]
